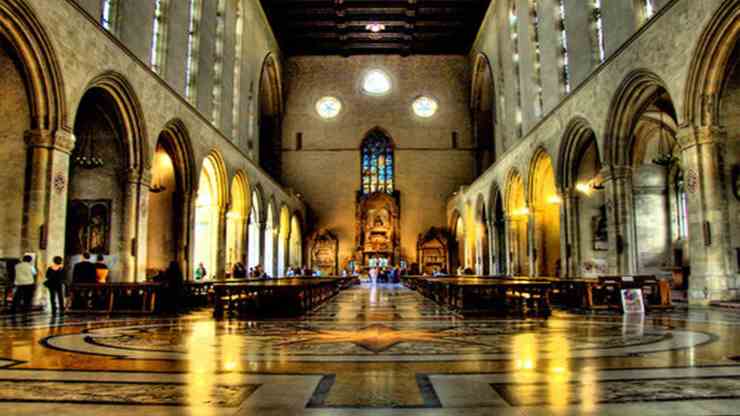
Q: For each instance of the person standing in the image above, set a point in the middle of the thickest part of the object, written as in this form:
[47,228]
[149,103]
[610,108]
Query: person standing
[25,283]
[200,272]
[55,283]
[101,270]
[84,271]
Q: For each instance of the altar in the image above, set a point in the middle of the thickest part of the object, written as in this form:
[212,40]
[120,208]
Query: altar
[377,236]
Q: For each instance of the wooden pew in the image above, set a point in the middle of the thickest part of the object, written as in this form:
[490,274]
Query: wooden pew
[275,297]
[114,297]
[605,293]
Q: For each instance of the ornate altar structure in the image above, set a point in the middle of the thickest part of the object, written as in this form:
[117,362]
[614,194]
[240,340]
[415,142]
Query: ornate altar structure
[377,229]
[324,252]
[433,251]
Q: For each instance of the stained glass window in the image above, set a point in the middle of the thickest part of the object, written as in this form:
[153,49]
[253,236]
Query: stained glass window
[682,207]
[377,163]
[328,107]
[108,14]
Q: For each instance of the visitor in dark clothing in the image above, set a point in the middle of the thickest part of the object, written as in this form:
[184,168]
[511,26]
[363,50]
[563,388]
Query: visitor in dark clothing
[55,281]
[84,271]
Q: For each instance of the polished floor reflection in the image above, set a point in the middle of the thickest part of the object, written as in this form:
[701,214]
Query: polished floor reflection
[373,350]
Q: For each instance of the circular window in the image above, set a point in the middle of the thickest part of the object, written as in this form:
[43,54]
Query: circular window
[376,82]
[328,107]
[425,107]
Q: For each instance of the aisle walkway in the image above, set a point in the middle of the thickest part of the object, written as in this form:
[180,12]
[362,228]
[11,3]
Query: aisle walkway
[372,350]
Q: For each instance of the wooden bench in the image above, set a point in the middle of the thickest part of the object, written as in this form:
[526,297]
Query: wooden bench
[114,297]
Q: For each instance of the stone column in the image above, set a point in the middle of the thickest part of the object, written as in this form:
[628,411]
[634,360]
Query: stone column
[46,201]
[492,240]
[133,227]
[532,247]
[513,257]
[621,222]
[570,234]
[186,230]
[221,244]
[261,242]
[710,250]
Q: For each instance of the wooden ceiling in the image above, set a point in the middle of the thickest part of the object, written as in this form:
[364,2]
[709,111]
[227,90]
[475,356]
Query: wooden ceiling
[338,27]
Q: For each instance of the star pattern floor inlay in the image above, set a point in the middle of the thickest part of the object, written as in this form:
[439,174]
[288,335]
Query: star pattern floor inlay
[373,347]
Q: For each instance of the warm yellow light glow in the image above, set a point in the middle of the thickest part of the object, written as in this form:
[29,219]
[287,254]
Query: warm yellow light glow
[521,212]
[554,200]
[584,188]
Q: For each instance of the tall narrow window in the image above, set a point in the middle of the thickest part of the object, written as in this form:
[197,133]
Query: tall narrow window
[191,64]
[108,14]
[598,31]
[563,31]
[539,102]
[239,30]
[159,36]
[377,163]
[218,63]
[514,31]
[649,9]
[682,207]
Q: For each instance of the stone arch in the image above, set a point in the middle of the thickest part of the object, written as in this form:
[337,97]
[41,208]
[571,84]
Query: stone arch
[483,109]
[271,222]
[458,245]
[544,203]
[585,223]
[236,219]
[25,35]
[283,239]
[170,199]
[576,137]
[108,179]
[482,237]
[638,90]
[707,70]
[34,113]
[256,223]
[498,222]
[296,240]
[210,204]
[270,110]
[517,218]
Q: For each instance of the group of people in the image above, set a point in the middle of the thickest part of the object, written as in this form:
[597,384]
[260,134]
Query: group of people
[385,274]
[25,280]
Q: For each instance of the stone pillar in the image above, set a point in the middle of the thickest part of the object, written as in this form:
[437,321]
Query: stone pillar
[621,222]
[513,257]
[710,251]
[46,201]
[133,227]
[570,234]
[492,240]
[186,230]
[221,244]
[261,242]
[532,248]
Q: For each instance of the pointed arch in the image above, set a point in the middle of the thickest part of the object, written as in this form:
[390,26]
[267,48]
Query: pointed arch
[578,135]
[638,90]
[708,67]
[377,162]
[283,239]
[23,32]
[270,110]
[483,110]
[482,237]
[169,211]
[296,240]
[256,223]
[544,203]
[517,219]
[236,219]
[210,204]
[133,129]
[271,220]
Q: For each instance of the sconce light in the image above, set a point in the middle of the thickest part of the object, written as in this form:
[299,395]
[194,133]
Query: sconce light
[554,200]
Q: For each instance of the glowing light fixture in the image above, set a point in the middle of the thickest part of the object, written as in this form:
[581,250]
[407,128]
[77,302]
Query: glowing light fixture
[376,82]
[425,107]
[554,200]
[375,27]
[521,212]
[328,107]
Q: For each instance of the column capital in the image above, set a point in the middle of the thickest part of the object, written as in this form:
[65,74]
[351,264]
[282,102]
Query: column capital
[61,140]
[690,136]
[616,172]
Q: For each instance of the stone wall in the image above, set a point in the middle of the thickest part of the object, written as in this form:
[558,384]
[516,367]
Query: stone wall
[327,168]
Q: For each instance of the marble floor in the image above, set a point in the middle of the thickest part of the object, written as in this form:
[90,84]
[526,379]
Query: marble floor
[373,351]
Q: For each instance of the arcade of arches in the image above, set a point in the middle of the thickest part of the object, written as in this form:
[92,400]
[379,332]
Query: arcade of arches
[256,184]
